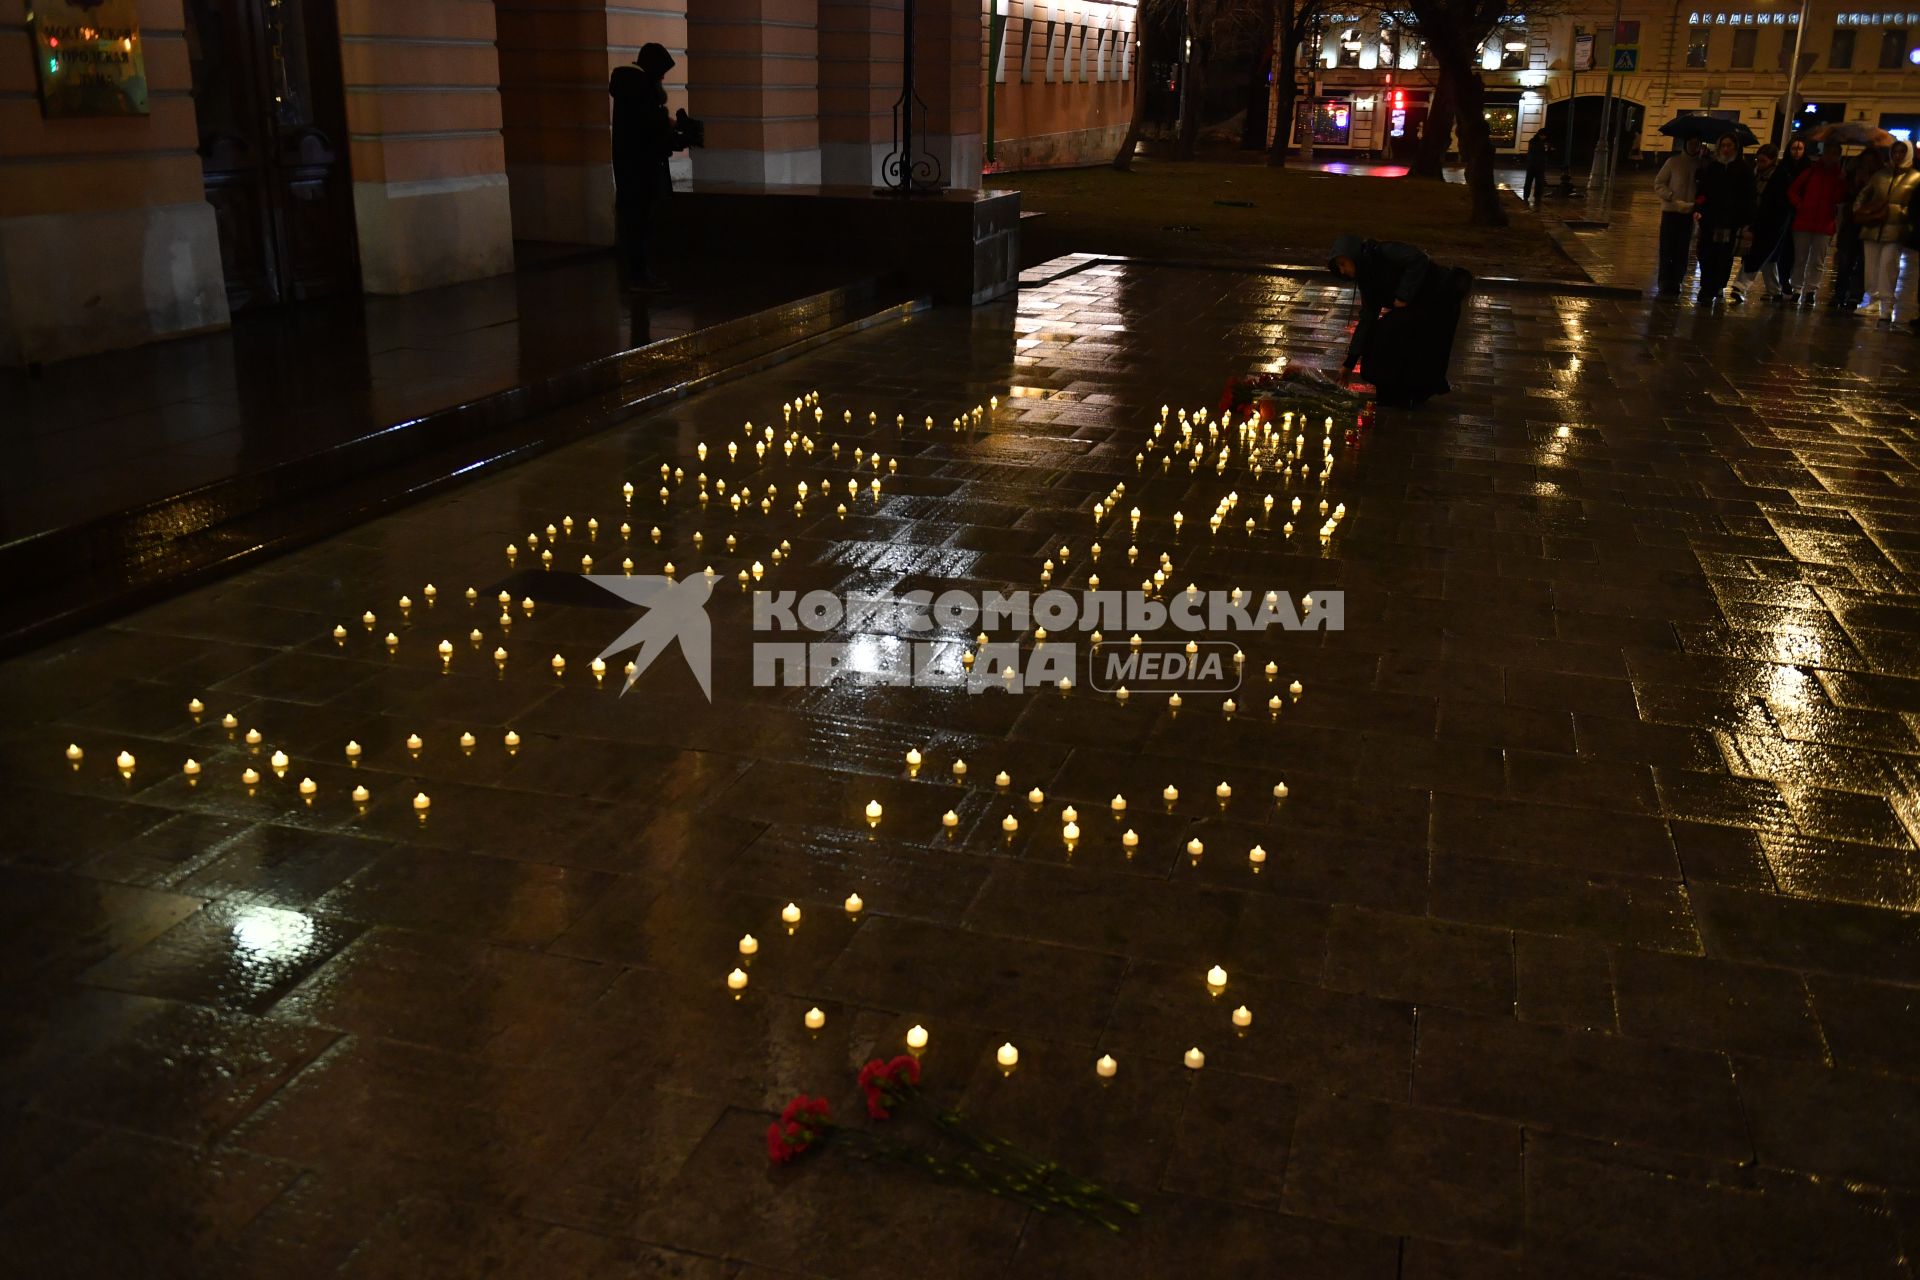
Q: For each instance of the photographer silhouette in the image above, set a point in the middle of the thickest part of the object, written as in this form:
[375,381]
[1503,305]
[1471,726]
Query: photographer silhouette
[644,140]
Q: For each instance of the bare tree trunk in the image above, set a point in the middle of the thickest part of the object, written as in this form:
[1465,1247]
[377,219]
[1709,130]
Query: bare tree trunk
[1476,144]
[1286,51]
[1430,156]
[1123,158]
[1193,87]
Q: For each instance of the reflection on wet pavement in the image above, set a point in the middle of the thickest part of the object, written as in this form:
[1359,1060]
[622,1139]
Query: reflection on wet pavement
[1586,941]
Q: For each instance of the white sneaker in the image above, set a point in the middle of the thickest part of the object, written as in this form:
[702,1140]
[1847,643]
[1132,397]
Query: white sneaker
[1868,308]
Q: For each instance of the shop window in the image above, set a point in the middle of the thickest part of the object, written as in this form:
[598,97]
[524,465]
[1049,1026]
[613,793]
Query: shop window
[1840,52]
[1893,48]
[1349,48]
[1697,47]
[1328,120]
[1503,126]
[1513,49]
[1745,41]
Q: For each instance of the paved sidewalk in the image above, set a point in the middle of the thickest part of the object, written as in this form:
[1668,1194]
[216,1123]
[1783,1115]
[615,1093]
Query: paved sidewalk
[1587,944]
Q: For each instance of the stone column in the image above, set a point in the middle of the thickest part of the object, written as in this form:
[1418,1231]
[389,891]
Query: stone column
[555,57]
[753,77]
[429,166]
[106,237]
[859,83]
[949,71]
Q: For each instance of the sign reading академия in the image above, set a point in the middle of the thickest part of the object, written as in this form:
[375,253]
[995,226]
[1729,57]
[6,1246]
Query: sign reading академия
[88,57]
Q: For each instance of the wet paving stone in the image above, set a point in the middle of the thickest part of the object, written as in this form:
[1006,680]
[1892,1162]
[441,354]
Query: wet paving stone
[1584,940]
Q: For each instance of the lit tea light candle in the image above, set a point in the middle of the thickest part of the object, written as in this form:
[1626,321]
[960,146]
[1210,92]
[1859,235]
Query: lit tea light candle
[446,648]
[916,1036]
[1007,1056]
[1069,814]
[191,768]
[737,980]
[75,753]
[1171,794]
[393,641]
[1273,703]
[1009,824]
[1121,694]
[1195,848]
[367,618]
[406,603]
[474,637]
[308,786]
[1194,1059]
[430,591]
[339,632]
[249,776]
[1002,779]
[1216,978]
[1229,707]
[790,914]
[1223,791]
[1243,1017]
[914,757]
[959,768]
[1256,855]
[1070,832]
[815,1019]
[466,741]
[1175,701]
[1279,791]
[559,665]
[1036,796]
[854,903]
[414,742]
[873,811]
[421,803]
[1119,804]
[512,739]
[361,795]
[1105,1067]
[748,944]
[949,819]
[278,760]
[1131,839]
[1296,688]
[500,654]
[195,706]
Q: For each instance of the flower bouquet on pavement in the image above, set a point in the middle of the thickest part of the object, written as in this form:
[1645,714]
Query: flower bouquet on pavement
[965,1158]
[1305,393]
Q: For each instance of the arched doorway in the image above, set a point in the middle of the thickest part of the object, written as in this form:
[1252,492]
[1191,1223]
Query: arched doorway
[271,112]
[1628,117]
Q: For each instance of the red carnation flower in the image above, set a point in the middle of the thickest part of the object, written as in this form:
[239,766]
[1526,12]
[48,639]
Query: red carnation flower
[799,1126]
[885,1082]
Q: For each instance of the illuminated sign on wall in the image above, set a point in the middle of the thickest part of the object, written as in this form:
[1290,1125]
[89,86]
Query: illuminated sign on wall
[1877,19]
[88,56]
[1717,19]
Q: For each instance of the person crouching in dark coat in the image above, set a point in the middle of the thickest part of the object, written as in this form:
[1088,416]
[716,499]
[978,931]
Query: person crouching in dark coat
[644,139]
[1409,310]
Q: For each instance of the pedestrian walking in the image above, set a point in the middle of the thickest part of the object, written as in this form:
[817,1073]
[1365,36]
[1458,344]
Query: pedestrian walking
[1536,183]
[1763,262]
[644,139]
[1815,196]
[1724,193]
[1409,309]
[1884,212]
[1674,185]
[1849,259]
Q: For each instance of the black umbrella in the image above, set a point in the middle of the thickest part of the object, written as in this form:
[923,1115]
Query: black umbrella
[1708,129]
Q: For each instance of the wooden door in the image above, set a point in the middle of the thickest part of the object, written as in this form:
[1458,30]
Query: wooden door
[273,146]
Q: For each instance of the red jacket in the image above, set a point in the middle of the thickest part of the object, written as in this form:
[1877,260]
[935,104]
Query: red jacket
[1815,195]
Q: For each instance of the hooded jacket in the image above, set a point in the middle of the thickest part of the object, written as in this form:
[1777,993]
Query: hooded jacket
[1674,183]
[643,137]
[1771,210]
[1814,195]
[1894,187]
[1384,271]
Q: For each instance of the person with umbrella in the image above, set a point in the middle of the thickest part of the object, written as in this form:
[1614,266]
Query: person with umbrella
[1674,185]
[1726,201]
[1849,258]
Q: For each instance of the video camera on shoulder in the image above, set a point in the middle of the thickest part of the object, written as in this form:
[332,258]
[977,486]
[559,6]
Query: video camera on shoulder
[689,132]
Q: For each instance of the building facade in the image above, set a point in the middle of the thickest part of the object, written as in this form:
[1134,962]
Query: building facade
[1373,79]
[169,162]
